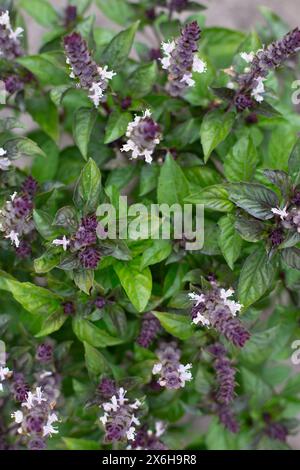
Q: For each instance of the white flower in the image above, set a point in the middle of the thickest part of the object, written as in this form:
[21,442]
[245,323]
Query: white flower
[96,93]
[5,163]
[29,403]
[201,319]
[13,196]
[199,65]
[61,242]
[160,428]
[224,294]
[233,306]
[135,405]
[281,212]
[187,78]
[14,35]
[258,90]
[198,298]
[4,372]
[168,48]
[48,430]
[2,152]
[106,74]
[14,238]
[103,419]
[4,19]
[156,368]
[39,395]
[185,373]
[17,416]
[130,433]
[247,57]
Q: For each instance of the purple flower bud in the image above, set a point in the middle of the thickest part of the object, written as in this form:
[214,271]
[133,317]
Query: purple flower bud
[229,326]
[83,66]
[10,45]
[19,387]
[178,5]
[34,422]
[225,374]
[228,419]
[70,15]
[23,250]
[149,330]
[100,302]
[276,237]
[107,388]
[243,102]
[126,102]
[13,83]
[44,352]
[69,307]
[150,14]
[37,443]
[296,198]
[276,430]
[154,54]
[89,257]
[145,439]
[22,206]
[172,374]
[30,186]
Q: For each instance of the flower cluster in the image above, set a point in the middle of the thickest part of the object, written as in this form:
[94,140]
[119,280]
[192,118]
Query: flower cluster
[251,83]
[172,374]
[16,217]
[225,374]
[119,419]
[44,352]
[275,430]
[227,418]
[83,243]
[146,439]
[10,46]
[36,418]
[143,135]
[70,15]
[90,76]
[149,330]
[181,60]
[215,308]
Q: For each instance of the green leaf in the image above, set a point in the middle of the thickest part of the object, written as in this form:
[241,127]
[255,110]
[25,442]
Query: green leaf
[118,11]
[172,184]
[95,361]
[45,113]
[84,121]
[256,277]
[36,300]
[116,126]
[76,443]
[213,197]
[230,241]
[22,147]
[291,256]
[184,134]
[49,260]
[46,68]
[281,144]
[280,179]
[117,51]
[43,224]
[42,11]
[156,253]
[44,169]
[88,187]
[241,161]
[142,80]
[148,178]
[137,283]
[254,198]
[294,163]
[87,332]
[251,230]
[84,280]
[215,127]
[53,323]
[179,326]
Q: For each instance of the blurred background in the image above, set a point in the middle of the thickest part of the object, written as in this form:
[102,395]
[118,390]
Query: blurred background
[240,14]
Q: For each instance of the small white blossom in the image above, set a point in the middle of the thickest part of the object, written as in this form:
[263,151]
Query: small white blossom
[199,65]
[258,91]
[2,152]
[156,368]
[233,306]
[247,57]
[4,19]
[4,373]
[5,163]
[160,428]
[15,35]
[14,238]
[188,80]
[201,319]
[29,403]
[106,74]
[283,213]
[168,48]
[48,429]
[39,398]
[64,242]
[198,298]
[96,93]
[185,373]
[130,433]
[17,416]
